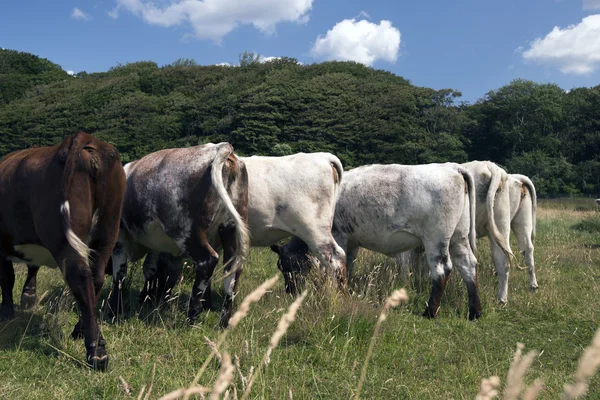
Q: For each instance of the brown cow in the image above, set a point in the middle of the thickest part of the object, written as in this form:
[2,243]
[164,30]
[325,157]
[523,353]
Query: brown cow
[60,206]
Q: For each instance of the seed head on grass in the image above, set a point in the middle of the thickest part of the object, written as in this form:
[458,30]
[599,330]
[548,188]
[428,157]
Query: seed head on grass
[282,327]
[251,298]
[394,300]
[489,388]
[587,367]
[518,368]
[224,378]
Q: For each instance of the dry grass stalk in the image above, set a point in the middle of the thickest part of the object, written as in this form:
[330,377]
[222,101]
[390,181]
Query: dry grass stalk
[189,391]
[147,396]
[126,387]
[242,311]
[282,327]
[587,367]
[224,378]
[236,361]
[394,300]
[518,368]
[534,390]
[489,388]
[213,347]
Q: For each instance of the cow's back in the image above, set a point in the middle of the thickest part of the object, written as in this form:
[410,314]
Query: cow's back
[378,202]
[284,193]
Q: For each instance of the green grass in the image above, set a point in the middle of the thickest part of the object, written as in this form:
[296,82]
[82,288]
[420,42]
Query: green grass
[322,354]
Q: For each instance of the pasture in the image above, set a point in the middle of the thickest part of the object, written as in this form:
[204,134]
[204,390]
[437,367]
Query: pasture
[322,354]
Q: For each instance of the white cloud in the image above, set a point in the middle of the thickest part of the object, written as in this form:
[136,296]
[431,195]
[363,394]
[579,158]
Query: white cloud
[213,19]
[225,64]
[360,41]
[70,72]
[574,50]
[591,4]
[78,14]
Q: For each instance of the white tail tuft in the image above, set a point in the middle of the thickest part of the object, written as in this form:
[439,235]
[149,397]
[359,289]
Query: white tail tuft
[80,247]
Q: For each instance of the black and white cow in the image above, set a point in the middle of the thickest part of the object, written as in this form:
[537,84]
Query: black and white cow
[185,202]
[523,206]
[395,208]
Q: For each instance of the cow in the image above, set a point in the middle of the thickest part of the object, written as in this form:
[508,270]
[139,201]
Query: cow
[523,206]
[296,195]
[395,208]
[185,202]
[597,202]
[60,206]
[493,217]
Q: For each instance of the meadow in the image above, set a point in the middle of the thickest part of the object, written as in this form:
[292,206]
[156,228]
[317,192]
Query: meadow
[154,351]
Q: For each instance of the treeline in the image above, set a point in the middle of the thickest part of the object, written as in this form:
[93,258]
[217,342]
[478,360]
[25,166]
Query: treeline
[280,107]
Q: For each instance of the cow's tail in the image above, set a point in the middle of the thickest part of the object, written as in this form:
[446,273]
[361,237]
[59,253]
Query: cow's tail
[527,182]
[75,147]
[472,208]
[337,169]
[224,151]
[495,184]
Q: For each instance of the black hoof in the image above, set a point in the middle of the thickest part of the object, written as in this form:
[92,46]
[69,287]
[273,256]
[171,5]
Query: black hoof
[97,362]
[7,312]
[28,300]
[97,357]
[473,315]
[224,319]
[533,289]
[429,314]
[77,331]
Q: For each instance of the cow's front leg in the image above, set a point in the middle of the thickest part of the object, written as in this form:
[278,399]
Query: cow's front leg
[7,282]
[439,270]
[205,260]
[28,295]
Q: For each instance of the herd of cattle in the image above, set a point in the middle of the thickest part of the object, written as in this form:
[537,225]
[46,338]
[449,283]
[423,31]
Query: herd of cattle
[73,206]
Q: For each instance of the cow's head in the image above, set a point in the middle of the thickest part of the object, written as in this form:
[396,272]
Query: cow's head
[294,263]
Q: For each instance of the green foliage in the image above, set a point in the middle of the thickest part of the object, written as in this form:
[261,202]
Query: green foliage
[280,107]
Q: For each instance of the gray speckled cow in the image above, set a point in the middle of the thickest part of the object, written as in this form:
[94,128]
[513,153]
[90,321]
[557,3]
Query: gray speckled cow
[185,203]
[395,208]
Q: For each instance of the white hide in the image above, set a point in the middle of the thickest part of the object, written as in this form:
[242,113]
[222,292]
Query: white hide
[523,205]
[295,195]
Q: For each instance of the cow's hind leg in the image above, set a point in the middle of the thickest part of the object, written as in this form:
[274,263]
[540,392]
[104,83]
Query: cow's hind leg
[205,260]
[83,283]
[7,282]
[522,227]
[501,263]
[233,270]
[440,267]
[161,273]
[464,259]
[28,295]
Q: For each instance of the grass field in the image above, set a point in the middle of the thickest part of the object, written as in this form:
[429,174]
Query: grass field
[322,354]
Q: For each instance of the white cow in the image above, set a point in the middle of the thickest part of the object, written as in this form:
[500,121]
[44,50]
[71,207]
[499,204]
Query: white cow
[493,216]
[296,195]
[395,208]
[523,205]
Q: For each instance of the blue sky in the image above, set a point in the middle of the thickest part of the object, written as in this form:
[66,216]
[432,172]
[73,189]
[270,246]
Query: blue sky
[469,45]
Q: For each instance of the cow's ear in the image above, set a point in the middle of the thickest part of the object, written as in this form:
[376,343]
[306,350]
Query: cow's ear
[276,248]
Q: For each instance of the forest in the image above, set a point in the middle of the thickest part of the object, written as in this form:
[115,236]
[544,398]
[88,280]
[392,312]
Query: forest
[361,114]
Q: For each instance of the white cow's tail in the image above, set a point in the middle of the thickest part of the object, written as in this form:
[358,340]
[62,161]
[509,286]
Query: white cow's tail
[76,146]
[224,151]
[338,172]
[527,182]
[472,208]
[495,183]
